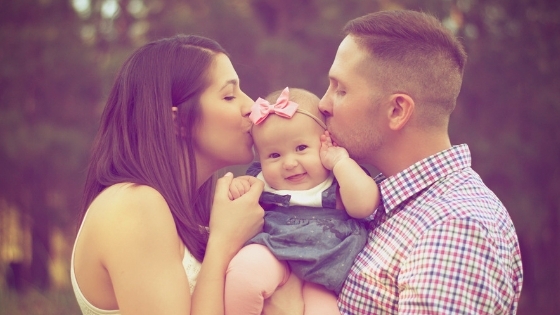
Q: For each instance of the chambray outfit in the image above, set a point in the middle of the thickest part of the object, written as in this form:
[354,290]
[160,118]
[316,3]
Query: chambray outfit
[440,243]
[318,243]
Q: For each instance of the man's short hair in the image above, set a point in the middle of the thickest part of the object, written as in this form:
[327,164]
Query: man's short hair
[413,53]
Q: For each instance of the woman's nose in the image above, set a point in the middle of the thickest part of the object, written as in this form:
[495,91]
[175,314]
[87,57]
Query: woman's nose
[246,105]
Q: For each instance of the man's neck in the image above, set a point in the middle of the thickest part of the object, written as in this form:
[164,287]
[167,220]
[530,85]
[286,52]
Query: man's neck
[400,153]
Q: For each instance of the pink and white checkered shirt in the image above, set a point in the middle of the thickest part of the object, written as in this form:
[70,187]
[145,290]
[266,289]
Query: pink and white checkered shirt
[440,243]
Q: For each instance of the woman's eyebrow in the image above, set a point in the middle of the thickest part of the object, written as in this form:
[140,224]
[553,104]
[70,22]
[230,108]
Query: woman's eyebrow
[228,82]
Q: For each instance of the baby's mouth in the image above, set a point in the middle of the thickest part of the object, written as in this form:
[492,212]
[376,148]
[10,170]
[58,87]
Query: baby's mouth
[297,177]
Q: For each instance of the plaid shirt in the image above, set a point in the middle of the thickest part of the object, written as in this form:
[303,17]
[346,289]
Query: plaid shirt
[440,243]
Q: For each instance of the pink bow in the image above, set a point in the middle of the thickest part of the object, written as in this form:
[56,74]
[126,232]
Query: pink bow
[283,107]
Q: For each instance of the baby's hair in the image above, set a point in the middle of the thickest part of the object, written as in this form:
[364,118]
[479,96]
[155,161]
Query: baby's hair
[307,101]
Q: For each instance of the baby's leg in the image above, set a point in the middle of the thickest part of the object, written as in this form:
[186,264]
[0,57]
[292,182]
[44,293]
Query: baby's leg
[252,276]
[318,300]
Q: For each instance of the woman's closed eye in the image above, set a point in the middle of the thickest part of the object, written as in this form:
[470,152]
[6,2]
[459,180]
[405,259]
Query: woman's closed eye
[229,98]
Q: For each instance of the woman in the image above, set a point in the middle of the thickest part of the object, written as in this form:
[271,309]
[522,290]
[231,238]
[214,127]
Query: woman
[175,115]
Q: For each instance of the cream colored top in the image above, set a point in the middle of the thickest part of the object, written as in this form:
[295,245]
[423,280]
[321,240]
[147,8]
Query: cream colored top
[191,265]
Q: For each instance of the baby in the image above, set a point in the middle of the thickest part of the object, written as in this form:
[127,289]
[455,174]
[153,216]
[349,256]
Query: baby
[314,195]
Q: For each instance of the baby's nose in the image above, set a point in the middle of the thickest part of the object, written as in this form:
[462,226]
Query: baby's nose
[290,163]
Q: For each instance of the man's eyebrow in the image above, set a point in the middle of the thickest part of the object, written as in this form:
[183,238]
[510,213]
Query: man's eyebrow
[228,82]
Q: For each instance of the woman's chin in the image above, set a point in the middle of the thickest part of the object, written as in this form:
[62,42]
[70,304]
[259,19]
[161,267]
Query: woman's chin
[241,159]
[249,158]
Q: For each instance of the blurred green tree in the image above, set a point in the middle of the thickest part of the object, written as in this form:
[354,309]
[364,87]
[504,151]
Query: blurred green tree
[49,90]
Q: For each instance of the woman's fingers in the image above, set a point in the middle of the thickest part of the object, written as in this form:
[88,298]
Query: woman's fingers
[222,186]
[233,222]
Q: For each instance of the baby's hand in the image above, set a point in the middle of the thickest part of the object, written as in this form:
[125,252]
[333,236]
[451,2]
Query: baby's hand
[239,186]
[330,152]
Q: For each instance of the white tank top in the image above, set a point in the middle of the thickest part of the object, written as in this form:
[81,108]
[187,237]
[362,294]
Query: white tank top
[191,265]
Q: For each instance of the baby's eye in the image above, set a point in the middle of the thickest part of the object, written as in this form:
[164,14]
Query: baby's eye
[301,147]
[274,155]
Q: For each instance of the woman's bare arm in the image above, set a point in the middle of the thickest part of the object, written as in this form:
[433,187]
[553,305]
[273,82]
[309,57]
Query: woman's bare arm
[143,253]
[232,223]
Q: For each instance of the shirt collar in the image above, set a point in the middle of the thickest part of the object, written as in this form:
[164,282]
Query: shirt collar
[398,188]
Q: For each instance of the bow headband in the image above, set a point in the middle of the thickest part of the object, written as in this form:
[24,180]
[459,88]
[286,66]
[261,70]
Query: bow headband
[283,108]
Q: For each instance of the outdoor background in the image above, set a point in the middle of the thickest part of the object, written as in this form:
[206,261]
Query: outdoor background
[58,59]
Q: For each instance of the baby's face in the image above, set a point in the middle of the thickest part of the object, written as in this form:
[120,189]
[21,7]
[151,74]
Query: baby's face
[289,152]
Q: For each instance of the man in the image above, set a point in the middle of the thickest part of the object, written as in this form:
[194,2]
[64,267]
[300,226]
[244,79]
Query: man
[441,242]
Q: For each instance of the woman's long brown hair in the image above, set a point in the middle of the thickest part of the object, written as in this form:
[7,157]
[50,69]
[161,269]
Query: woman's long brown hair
[138,141]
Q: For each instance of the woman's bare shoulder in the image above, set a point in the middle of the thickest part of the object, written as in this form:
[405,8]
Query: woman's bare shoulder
[130,213]
[127,199]
[128,238]
[129,193]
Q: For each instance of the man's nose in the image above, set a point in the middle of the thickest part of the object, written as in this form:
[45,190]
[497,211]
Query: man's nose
[325,105]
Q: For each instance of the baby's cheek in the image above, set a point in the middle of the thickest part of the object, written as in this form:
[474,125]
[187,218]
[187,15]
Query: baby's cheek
[271,175]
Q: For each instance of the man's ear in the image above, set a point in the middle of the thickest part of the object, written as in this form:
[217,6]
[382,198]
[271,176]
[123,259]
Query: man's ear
[400,111]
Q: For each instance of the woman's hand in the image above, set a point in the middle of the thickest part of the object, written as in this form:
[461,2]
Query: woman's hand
[233,222]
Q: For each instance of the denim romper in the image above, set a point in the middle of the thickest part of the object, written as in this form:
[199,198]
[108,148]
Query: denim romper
[318,243]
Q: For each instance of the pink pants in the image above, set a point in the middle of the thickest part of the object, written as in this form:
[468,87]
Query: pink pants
[254,274]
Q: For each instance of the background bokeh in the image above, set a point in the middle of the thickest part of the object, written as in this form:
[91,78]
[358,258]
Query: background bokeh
[58,59]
